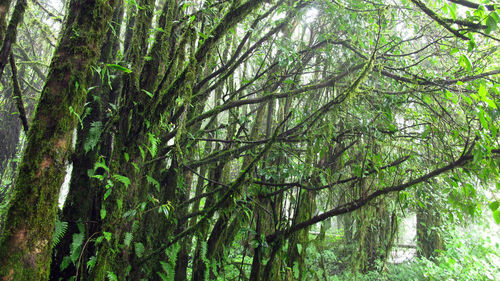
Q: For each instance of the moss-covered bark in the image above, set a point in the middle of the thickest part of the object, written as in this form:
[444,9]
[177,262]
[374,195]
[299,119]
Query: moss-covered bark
[83,201]
[25,247]
[4,9]
[11,33]
[154,68]
[9,132]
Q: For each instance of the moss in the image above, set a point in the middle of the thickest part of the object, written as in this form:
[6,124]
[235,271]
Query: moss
[4,9]
[25,248]
[159,53]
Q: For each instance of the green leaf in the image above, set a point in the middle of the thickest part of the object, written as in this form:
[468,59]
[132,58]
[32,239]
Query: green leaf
[489,102]
[98,165]
[494,205]
[65,262]
[122,179]
[118,67]
[482,92]
[427,99]
[491,24]
[106,195]
[75,247]
[147,93]
[472,46]
[107,235]
[143,154]
[426,131]
[203,35]
[496,216]
[482,118]
[164,209]
[465,62]
[153,148]
[453,11]
[103,213]
[91,262]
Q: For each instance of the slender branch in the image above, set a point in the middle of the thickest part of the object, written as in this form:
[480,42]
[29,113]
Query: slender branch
[221,204]
[341,181]
[470,4]
[18,95]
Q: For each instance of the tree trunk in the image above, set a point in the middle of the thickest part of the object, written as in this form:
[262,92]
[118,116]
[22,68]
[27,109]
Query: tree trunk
[25,247]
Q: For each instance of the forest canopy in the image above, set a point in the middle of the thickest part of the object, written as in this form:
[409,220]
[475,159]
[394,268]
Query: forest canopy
[243,140]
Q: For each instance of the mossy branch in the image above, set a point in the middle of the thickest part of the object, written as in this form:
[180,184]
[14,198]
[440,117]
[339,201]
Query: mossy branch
[18,95]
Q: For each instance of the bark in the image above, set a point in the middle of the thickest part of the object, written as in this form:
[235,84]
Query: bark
[9,132]
[25,247]
[18,95]
[80,207]
[11,34]
[4,11]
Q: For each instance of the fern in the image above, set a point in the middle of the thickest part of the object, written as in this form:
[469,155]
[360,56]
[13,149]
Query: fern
[76,246]
[206,262]
[169,267]
[154,182]
[139,249]
[91,263]
[112,276]
[122,179]
[153,149]
[93,137]
[128,239]
[162,276]
[61,227]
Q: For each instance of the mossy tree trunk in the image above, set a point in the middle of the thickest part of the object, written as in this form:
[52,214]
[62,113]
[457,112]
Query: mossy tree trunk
[25,247]
[84,197]
[10,131]
[4,11]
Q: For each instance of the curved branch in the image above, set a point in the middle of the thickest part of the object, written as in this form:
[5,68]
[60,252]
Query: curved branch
[354,205]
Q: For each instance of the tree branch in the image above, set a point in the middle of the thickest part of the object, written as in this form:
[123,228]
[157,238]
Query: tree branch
[354,205]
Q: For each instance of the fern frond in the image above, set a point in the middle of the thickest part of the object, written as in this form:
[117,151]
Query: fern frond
[61,227]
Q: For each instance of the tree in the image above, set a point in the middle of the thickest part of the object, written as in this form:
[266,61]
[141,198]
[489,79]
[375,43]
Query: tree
[225,131]
[26,244]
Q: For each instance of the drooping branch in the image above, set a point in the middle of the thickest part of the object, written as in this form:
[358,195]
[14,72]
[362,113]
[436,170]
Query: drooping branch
[356,204]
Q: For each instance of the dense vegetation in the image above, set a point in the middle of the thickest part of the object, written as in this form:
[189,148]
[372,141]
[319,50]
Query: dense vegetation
[249,140]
